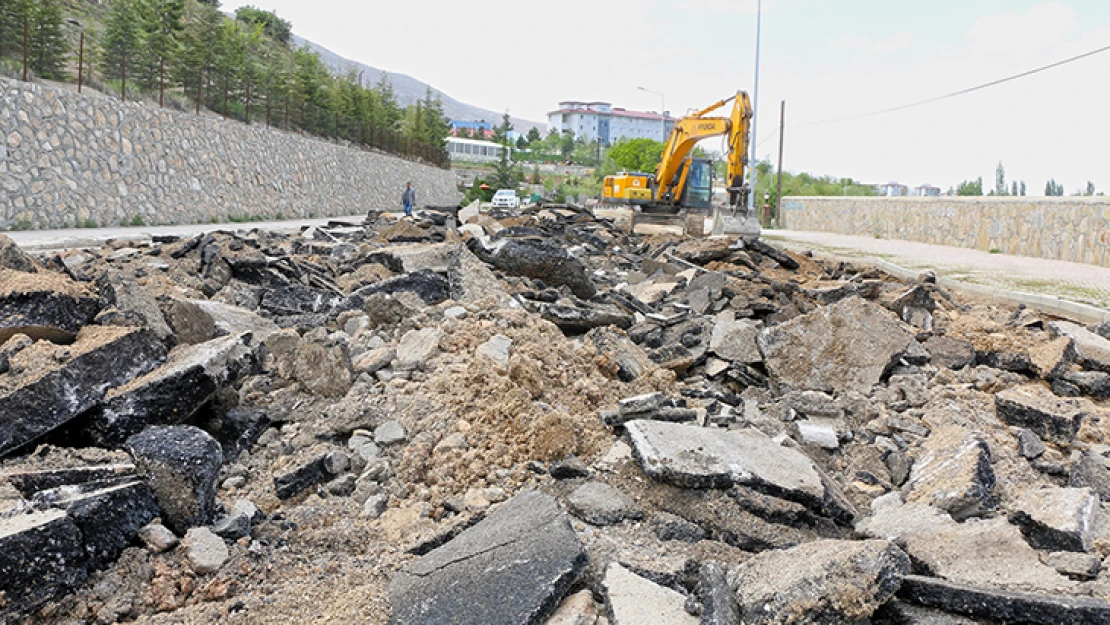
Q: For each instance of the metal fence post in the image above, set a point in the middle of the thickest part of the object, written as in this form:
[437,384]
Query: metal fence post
[26,45]
[81,63]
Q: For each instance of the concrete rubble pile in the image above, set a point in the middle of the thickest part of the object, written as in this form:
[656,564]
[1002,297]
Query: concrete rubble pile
[536,419]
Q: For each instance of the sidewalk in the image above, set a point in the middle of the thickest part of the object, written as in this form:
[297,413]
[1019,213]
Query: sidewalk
[1075,282]
[89,237]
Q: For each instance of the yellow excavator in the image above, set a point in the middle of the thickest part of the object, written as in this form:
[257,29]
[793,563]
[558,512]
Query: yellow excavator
[682,186]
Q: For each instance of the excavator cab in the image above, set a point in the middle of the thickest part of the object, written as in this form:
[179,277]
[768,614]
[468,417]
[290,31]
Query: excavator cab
[698,190]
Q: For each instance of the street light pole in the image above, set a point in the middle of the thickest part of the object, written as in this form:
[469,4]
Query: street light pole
[662,111]
[753,176]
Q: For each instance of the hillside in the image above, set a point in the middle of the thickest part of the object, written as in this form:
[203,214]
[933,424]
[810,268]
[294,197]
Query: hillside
[409,89]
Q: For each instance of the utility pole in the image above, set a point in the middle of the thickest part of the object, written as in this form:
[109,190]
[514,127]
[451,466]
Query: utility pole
[778,195]
[755,106]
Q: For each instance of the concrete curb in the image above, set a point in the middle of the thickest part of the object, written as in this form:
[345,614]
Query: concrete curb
[1080,313]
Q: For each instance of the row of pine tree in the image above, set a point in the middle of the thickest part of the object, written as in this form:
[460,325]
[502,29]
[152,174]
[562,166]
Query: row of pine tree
[187,53]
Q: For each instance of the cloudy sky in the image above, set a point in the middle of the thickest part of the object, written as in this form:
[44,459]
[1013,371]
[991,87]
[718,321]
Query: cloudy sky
[829,59]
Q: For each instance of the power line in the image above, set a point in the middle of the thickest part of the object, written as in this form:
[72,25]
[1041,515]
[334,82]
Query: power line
[774,133]
[963,91]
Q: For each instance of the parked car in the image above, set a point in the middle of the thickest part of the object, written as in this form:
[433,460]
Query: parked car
[505,198]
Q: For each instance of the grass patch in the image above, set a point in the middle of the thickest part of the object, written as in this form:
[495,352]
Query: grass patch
[245,219]
[994,250]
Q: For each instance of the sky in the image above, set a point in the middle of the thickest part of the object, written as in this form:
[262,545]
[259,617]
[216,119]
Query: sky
[828,59]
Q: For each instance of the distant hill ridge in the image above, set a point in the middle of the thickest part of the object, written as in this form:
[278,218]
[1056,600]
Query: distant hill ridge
[409,90]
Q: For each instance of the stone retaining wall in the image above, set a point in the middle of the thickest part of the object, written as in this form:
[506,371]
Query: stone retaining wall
[1063,228]
[90,160]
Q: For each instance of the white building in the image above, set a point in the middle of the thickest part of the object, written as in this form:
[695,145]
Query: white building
[927,190]
[474,149]
[601,121]
[893,189]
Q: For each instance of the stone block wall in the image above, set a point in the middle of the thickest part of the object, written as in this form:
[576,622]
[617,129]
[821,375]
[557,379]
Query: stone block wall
[1075,229]
[91,160]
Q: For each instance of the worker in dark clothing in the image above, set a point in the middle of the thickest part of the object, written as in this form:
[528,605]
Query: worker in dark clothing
[408,199]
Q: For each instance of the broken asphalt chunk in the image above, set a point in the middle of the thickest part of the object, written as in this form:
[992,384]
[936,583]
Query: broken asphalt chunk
[512,568]
[545,260]
[827,581]
[1057,519]
[41,557]
[1034,407]
[43,305]
[56,392]
[1001,605]
[843,347]
[171,393]
[181,463]
[695,457]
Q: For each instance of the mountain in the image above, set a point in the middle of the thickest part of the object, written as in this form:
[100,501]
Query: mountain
[409,90]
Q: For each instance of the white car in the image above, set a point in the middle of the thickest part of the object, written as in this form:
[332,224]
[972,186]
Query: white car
[505,198]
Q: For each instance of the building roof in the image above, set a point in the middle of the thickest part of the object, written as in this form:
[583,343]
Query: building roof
[616,112]
[474,142]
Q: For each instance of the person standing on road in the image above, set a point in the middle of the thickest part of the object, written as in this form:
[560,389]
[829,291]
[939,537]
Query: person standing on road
[408,199]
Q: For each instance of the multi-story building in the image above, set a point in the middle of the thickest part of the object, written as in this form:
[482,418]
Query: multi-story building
[892,189]
[600,121]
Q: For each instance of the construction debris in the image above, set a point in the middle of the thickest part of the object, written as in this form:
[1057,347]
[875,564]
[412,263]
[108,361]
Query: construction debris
[536,418]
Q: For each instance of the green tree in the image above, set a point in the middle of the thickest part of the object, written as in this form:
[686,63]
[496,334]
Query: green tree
[162,27]
[197,58]
[122,39]
[228,67]
[1000,180]
[388,116]
[275,28]
[1014,188]
[970,187]
[1053,188]
[12,13]
[435,126]
[46,42]
[533,135]
[502,130]
[637,154]
[1022,188]
[1090,190]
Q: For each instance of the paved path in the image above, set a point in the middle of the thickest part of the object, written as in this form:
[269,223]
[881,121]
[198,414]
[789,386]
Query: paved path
[1077,282]
[89,237]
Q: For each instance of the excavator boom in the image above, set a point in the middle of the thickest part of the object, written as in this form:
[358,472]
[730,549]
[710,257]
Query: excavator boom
[671,175]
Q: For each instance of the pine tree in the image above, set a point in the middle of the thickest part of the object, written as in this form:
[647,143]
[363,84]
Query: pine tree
[122,38]
[436,125]
[47,43]
[390,113]
[162,28]
[193,70]
[11,26]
